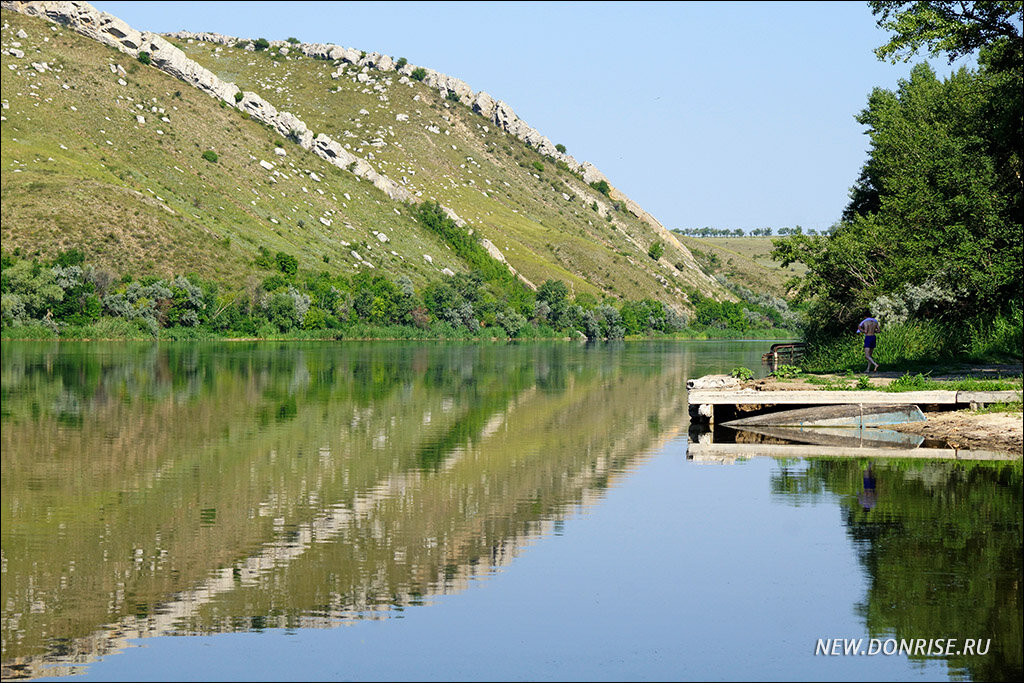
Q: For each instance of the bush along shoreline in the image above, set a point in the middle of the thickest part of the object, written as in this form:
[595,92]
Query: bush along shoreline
[67,298]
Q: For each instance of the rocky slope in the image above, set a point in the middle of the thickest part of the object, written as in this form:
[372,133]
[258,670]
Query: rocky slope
[412,133]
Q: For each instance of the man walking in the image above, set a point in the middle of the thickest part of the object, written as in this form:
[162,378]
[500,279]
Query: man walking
[869,328]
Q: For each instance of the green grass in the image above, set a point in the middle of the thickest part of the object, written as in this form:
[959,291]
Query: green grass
[921,382]
[489,178]
[922,346]
[744,261]
[148,203]
[1000,408]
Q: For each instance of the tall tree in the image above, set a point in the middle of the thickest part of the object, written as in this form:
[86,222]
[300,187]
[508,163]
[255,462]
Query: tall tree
[938,202]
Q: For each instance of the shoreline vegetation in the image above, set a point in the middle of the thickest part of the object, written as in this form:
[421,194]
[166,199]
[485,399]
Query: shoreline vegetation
[67,298]
[41,333]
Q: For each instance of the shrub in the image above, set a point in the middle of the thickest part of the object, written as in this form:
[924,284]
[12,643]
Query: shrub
[786,371]
[261,44]
[419,73]
[293,40]
[539,166]
[239,96]
[560,147]
[453,96]
[286,263]
[511,322]
[742,373]
[602,187]
[145,58]
[210,156]
[656,250]
[402,61]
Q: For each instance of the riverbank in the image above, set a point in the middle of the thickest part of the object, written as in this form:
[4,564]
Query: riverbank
[998,427]
[369,333]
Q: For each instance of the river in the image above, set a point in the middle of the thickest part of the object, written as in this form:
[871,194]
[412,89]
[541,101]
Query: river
[399,511]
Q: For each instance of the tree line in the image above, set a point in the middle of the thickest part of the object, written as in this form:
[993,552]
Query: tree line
[739,232]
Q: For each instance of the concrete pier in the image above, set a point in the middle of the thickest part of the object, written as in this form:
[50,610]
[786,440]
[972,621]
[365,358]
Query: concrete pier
[704,402]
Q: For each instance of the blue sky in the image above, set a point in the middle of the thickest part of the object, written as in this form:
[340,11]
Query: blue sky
[721,114]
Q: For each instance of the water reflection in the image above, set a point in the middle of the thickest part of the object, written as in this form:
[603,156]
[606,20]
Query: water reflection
[940,544]
[206,488]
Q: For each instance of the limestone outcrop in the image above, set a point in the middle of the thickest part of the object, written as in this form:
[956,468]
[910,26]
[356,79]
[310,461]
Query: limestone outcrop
[494,111]
[83,18]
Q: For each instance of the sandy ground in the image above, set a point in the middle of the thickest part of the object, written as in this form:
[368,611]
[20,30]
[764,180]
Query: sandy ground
[967,429]
[960,428]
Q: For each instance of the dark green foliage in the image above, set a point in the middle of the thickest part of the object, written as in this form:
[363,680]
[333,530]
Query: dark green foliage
[453,96]
[286,263]
[274,283]
[69,257]
[538,166]
[145,58]
[731,232]
[465,246]
[264,259]
[418,74]
[948,26]
[292,40]
[602,187]
[210,156]
[486,301]
[261,44]
[402,61]
[656,250]
[239,96]
[933,230]
[930,208]
[560,147]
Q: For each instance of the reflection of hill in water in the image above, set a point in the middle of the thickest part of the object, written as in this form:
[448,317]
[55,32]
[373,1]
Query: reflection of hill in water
[229,487]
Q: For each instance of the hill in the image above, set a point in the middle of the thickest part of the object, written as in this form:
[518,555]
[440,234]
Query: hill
[744,261]
[105,153]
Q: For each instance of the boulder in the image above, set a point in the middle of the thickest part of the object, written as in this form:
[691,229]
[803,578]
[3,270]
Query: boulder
[713,382]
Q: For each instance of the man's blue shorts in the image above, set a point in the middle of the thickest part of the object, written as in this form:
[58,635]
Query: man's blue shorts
[869,341]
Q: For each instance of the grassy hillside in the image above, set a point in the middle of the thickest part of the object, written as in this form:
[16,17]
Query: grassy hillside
[105,154]
[81,170]
[745,261]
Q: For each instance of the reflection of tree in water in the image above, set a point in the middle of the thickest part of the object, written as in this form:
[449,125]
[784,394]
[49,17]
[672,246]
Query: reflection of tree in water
[942,549]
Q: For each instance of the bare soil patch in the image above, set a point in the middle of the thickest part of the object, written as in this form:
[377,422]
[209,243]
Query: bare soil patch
[970,430]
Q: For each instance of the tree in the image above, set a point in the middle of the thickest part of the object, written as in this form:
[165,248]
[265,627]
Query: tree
[953,27]
[931,205]
[601,186]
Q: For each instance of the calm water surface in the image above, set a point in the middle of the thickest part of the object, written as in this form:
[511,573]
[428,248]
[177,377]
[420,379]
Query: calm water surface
[436,512]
